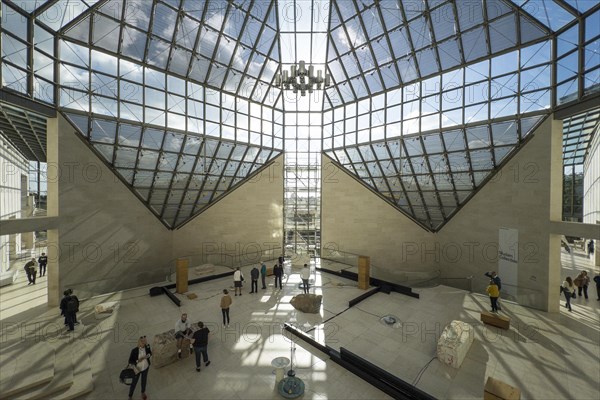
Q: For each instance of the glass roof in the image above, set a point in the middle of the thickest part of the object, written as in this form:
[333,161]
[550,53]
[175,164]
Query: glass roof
[577,134]
[230,46]
[428,97]
[429,177]
[380,45]
[176,174]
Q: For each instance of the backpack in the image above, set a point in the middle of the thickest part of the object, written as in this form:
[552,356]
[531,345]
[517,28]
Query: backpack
[72,304]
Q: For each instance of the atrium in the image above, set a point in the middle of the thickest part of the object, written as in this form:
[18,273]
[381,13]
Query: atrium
[441,139]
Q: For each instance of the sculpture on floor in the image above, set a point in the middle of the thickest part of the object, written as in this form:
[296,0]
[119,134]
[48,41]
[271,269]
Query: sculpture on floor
[308,303]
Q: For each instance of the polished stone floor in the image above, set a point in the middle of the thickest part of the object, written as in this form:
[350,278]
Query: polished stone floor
[548,356]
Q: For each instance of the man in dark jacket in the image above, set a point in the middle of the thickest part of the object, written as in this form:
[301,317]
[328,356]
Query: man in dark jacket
[68,308]
[43,261]
[278,272]
[29,269]
[254,275]
[597,280]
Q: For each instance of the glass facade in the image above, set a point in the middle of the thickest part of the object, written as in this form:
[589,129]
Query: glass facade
[428,98]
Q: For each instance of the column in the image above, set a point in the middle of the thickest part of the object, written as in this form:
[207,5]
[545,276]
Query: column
[181,274]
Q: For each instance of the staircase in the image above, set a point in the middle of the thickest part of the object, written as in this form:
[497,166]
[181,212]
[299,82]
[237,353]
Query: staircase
[34,369]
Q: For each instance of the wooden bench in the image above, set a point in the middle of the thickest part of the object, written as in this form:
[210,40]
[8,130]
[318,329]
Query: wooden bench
[497,390]
[496,320]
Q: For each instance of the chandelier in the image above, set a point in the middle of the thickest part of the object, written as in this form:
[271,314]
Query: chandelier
[303,79]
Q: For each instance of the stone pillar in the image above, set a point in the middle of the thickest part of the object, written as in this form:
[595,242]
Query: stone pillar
[364,269]
[52,271]
[181,275]
[555,154]
[13,249]
[27,240]
[53,252]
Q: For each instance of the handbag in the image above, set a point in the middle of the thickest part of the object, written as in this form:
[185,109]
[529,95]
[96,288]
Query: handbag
[573,295]
[127,374]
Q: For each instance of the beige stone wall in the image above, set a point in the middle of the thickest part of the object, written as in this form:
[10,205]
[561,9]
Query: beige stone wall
[242,224]
[522,196]
[108,240]
[356,220]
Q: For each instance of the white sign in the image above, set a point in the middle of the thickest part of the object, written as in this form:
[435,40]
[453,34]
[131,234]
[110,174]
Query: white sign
[508,260]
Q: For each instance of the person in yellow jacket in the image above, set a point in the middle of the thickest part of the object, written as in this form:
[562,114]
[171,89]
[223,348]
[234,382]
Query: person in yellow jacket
[494,293]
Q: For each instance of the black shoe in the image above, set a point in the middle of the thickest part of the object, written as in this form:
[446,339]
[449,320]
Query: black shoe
[198,369]
[178,354]
[206,364]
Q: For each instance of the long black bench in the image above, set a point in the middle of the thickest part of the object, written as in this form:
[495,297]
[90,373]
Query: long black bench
[385,286]
[369,372]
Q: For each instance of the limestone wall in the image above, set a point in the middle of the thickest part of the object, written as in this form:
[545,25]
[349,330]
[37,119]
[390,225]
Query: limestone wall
[108,240]
[243,224]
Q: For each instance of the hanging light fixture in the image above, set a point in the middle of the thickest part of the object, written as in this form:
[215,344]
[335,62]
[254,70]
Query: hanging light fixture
[302,79]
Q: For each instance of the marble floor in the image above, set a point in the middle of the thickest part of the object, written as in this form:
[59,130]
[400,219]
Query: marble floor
[548,356]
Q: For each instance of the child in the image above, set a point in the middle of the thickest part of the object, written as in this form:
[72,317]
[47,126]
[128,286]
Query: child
[494,293]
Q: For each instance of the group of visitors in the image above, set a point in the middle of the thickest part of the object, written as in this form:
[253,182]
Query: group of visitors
[255,273]
[31,268]
[139,358]
[581,283]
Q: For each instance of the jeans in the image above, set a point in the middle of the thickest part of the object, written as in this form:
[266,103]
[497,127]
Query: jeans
[70,319]
[201,352]
[494,301]
[305,285]
[584,288]
[278,279]
[42,269]
[568,297]
[254,285]
[144,375]
[225,312]
[262,278]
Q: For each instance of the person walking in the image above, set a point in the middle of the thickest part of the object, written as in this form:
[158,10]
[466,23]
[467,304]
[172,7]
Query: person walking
[183,328]
[278,272]
[494,276]
[569,290]
[254,277]
[305,275]
[29,267]
[597,280]
[42,261]
[225,304]
[139,360]
[582,282]
[590,248]
[494,293]
[263,274]
[76,300]
[200,341]
[68,308]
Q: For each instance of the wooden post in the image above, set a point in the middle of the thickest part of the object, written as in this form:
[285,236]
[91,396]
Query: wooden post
[181,275]
[364,266]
